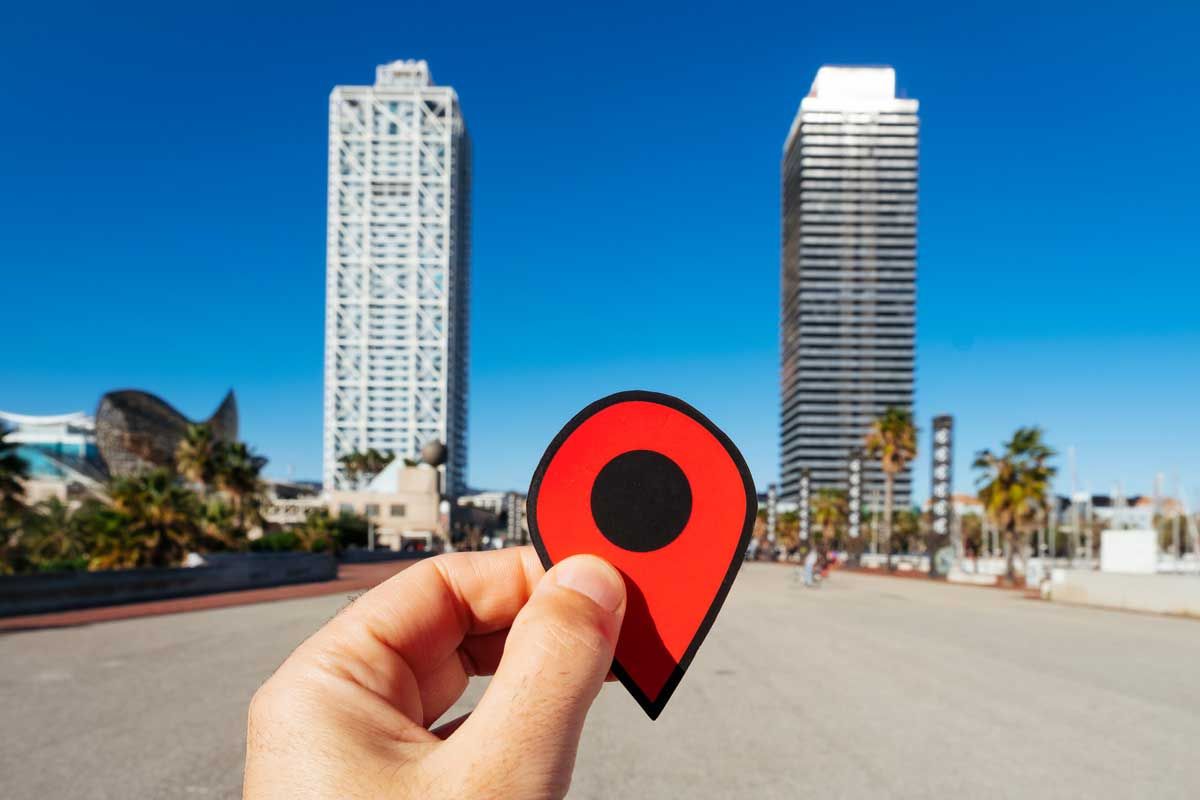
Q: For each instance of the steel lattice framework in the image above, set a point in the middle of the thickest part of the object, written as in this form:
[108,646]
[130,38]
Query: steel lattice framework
[397,270]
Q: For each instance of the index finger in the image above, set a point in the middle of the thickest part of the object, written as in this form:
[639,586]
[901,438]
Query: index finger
[424,613]
[405,640]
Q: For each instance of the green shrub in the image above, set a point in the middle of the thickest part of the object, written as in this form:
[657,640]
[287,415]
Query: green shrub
[277,542]
[350,531]
[63,564]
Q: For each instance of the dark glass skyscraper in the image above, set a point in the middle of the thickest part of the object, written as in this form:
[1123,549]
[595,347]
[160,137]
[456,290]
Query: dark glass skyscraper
[848,273]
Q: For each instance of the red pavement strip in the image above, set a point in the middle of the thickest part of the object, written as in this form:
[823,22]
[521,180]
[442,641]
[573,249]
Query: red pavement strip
[352,578]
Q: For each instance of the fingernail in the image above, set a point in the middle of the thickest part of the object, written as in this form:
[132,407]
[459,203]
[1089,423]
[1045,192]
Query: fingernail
[592,578]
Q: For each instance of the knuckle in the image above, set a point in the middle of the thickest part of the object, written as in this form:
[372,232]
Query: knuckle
[262,705]
[258,703]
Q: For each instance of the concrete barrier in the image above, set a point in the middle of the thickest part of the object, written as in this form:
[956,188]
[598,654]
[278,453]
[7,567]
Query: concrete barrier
[357,555]
[222,572]
[973,578]
[1160,594]
[901,561]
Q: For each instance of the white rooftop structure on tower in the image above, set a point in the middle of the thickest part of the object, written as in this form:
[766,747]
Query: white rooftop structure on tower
[854,83]
[841,89]
[409,74]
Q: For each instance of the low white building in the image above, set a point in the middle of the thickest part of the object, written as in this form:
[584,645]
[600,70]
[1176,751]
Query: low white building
[402,504]
[289,503]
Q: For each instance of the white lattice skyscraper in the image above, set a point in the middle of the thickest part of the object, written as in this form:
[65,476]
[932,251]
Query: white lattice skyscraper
[397,270]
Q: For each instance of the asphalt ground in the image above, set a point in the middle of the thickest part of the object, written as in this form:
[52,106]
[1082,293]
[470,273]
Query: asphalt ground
[869,686]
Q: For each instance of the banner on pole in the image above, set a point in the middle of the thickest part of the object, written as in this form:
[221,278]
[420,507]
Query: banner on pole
[941,496]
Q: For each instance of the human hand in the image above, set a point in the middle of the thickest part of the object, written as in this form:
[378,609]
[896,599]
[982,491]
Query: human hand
[348,714]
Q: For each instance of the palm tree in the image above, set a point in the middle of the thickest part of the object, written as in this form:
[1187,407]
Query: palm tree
[52,534]
[218,524]
[1013,486]
[906,527]
[830,513]
[160,518]
[375,462]
[13,471]
[363,465]
[352,465]
[318,532]
[110,543]
[199,454]
[893,441]
[971,531]
[238,477]
[787,530]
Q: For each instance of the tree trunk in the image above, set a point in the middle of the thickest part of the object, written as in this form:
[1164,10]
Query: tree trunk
[1010,570]
[1023,540]
[887,518]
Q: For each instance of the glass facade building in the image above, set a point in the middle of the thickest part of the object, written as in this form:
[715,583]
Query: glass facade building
[397,271]
[54,447]
[848,273]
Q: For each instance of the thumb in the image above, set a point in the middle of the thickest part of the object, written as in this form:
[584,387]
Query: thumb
[556,656]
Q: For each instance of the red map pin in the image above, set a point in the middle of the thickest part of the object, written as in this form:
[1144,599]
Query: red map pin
[649,484]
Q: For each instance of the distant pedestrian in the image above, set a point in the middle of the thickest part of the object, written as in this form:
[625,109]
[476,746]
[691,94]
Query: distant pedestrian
[810,563]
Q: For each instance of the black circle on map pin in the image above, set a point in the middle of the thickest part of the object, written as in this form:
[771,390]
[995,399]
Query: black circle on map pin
[651,485]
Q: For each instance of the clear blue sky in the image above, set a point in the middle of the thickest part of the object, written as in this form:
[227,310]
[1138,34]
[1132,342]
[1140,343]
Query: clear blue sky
[162,213]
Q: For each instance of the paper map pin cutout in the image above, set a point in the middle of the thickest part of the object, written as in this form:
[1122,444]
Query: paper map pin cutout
[649,484]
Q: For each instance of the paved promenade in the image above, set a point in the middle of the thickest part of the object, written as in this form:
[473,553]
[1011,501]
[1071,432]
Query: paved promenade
[868,687]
